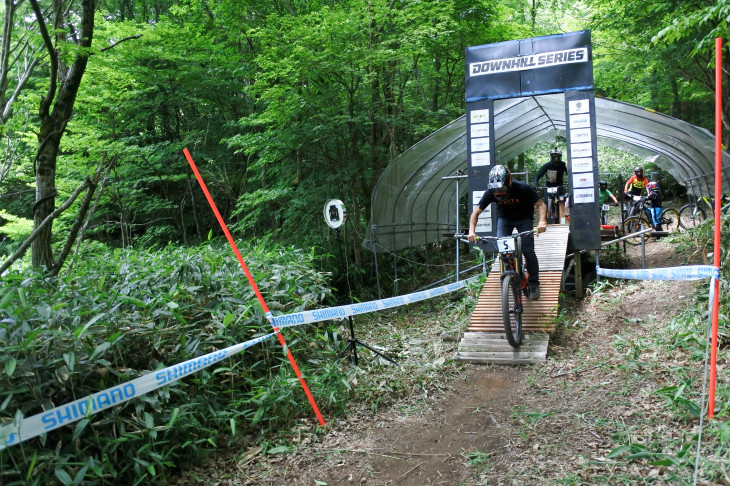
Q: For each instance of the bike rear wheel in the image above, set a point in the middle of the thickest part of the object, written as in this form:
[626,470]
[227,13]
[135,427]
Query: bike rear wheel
[690,216]
[669,220]
[551,207]
[512,309]
[632,225]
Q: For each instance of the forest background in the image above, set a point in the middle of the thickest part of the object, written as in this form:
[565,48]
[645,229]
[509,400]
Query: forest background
[283,105]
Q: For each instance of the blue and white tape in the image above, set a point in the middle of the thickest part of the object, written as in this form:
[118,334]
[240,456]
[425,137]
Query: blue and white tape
[340,312]
[691,272]
[23,429]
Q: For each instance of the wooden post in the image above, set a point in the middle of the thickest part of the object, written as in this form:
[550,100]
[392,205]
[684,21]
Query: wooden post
[578,274]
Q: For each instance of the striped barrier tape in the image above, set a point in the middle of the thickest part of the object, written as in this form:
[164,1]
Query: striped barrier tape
[340,312]
[23,429]
[691,272]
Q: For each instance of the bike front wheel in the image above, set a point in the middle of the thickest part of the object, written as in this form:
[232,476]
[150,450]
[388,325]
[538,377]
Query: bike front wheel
[512,309]
[670,220]
[690,216]
[633,225]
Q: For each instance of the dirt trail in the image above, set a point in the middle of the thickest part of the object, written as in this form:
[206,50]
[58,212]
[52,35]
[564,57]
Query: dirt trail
[490,424]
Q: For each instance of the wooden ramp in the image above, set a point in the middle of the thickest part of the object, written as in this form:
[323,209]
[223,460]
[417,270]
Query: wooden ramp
[482,342]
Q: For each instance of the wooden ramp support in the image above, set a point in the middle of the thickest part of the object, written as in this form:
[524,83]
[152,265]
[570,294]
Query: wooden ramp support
[484,339]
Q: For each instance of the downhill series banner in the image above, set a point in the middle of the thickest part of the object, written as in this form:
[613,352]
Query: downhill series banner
[533,67]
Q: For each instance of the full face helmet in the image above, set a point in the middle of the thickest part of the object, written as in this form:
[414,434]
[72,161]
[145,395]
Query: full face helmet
[602,185]
[652,186]
[555,154]
[639,171]
[500,181]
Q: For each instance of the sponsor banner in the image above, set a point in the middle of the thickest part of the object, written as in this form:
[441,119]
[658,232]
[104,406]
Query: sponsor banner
[23,429]
[581,150]
[581,164]
[582,196]
[340,312]
[480,144]
[691,272]
[534,61]
[580,135]
[580,121]
[479,116]
[484,222]
[579,106]
[583,180]
[480,159]
[480,130]
[526,67]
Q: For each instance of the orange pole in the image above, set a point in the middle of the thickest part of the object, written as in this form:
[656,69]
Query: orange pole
[252,282]
[718,204]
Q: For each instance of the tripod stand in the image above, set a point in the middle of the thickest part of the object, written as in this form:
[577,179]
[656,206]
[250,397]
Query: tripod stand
[353,341]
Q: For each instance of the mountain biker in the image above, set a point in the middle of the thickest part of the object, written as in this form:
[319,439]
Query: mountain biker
[515,206]
[636,184]
[554,170]
[604,193]
[654,204]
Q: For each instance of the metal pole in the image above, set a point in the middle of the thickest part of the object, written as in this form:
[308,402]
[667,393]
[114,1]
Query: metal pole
[458,176]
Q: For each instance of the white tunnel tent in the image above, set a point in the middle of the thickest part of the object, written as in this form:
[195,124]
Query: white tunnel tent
[413,205]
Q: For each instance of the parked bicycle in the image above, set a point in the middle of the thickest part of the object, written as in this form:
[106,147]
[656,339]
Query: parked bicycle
[553,201]
[693,214]
[513,279]
[640,219]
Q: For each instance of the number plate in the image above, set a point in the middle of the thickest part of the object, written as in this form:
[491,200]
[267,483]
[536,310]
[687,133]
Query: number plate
[637,198]
[605,207]
[506,245]
[552,190]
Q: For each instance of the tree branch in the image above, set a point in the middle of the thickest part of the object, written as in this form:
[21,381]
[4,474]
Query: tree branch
[120,41]
[46,102]
[21,251]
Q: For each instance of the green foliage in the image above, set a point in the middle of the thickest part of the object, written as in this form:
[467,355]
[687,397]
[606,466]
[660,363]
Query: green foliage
[125,314]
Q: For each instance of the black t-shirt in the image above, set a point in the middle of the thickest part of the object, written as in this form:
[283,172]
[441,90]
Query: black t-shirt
[519,204]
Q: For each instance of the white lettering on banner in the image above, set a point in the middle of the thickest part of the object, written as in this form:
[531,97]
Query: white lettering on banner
[30,427]
[581,150]
[583,180]
[479,116]
[533,61]
[479,144]
[418,296]
[583,196]
[580,121]
[297,318]
[580,135]
[578,106]
[366,307]
[331,313]
[393,302]
[480,159]
[480,130]
[581,164]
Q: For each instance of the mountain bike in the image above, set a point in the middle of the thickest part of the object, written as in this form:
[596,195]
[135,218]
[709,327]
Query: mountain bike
[553,203]
[641,220]
[693,214]
[605,207]
[513,278]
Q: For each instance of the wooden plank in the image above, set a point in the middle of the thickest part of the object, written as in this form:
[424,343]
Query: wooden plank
[484,340]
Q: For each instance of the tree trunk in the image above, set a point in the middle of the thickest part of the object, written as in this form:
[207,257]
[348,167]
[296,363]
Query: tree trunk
[55,111]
